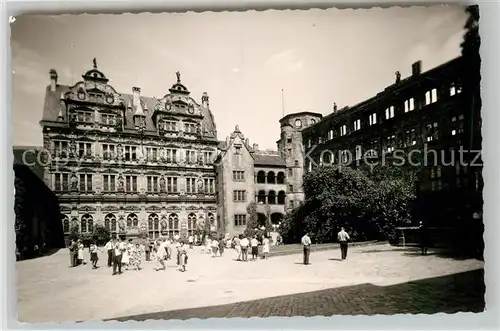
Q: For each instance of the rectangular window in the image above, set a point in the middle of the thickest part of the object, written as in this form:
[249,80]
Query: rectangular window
[330,134]
[152,184]
[409,105]
[290,172]
[85,182]
[109,183]
[171,184]
[190,156]
[239,196]
[240,220]
[343,130]
[390,143]
[290,188]
[191,185]
[130,183]
[373,150]
[171,155]
[359,152]
[61,182]
[430,96]
[61,149]
[151,154]
[357,125]
[372,119]
[207,157]
[238,176]
[107,119]
[389,112]
[170,126]
[237,149]
[189,128]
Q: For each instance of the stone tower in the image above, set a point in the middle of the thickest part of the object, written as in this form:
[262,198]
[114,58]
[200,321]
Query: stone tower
[291,150]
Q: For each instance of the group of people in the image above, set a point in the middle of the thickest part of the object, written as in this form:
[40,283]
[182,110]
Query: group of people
[76,253]
[242,244]
[342,237]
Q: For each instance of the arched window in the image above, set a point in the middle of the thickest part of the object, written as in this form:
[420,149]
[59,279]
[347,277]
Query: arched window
[110,222]
[281,177]
[173,224]
[313,121]
[298,123]
[271,198]
[191,223]
[281,197]
[154,226]
[86,224]
[132,221]
[271,177]
[261,197]
[261,177]
[65,222]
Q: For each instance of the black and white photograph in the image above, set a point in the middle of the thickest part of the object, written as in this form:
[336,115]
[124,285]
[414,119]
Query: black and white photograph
[171,166]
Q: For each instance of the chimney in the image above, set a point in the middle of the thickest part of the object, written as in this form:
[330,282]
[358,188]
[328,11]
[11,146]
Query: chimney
[136,101]
[53,79]
[255,147]
[136,92]
[416,68]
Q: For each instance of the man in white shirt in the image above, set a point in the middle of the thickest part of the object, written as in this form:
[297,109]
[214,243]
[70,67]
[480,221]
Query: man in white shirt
[118,250]
[177,237]
[190,240]
[244,248]
[306,244]
[109,248]
[160,256]
[254,243]
[343,237]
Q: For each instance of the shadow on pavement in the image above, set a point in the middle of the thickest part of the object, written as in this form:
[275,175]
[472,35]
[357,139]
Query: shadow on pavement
[462,292]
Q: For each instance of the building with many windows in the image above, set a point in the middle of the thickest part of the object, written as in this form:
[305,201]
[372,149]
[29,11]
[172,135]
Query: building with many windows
[131,163]
[424,119]
[246,174]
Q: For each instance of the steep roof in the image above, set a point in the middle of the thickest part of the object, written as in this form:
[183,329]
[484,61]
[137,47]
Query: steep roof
[268,159]
[94,80]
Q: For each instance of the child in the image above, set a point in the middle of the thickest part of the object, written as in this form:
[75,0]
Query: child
[93,255]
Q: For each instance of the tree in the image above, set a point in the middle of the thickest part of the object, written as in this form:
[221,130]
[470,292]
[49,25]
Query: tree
[101,235]
[268,225]
[253,219]
[74,233]
[368,205]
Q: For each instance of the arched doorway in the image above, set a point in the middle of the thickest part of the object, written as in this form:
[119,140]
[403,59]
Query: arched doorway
[261,219]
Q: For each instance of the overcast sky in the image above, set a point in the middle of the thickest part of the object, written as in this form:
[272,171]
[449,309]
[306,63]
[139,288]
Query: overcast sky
[242,59]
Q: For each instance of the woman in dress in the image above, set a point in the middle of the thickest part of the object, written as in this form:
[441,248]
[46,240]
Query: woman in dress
[93,255]
[265,247]
[136,257]
[80,252]
[222,245]
[182,256]
[126,255]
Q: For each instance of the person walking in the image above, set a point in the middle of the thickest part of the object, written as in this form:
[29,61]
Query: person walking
[222,245]
[73,252]
[254,243]
[93,255]
[424,238]
[343,238]
[183,257]
[147,250]
[244,243]
[306,243]
[80,252]
[109,248]
[237,247]
[190,240]
[118,251]
[160,255]
[265,247]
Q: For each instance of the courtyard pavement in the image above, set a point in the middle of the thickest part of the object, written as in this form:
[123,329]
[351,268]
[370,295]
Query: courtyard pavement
[50,291]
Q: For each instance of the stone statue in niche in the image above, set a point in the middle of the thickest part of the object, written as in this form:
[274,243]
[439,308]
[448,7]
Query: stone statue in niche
[119,150]
[121,224]
[74,182]
[200,157]
[121,184]
[118,123]
[72,147]
[200,185]
[162,184]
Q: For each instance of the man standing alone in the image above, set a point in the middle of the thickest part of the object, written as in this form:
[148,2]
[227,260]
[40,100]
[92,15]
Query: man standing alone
[118,250]
[343,237]
[306,243]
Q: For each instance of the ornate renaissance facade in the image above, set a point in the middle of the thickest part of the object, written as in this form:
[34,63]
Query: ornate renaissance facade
[133,164]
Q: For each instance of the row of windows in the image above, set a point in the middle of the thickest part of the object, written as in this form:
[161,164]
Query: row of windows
[128,183]
[130,153]
[431,97]
[270,177]
[431,132]
[271,197]
[154,224]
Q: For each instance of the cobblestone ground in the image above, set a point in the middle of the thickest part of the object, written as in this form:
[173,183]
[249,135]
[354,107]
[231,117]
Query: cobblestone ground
[374,279]
[463,292]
